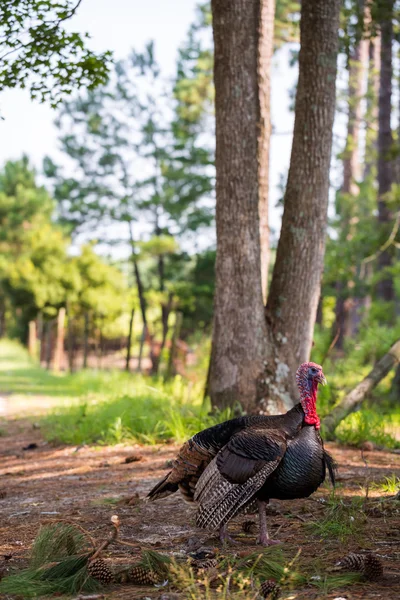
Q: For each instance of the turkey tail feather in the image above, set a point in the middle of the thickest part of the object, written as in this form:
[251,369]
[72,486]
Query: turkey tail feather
[331,464]
[163,488]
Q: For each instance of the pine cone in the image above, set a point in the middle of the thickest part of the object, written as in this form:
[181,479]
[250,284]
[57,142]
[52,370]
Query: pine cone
[249,526]
[373,568]
[99,569]
[141,576]
[352,562]
[270,589]
[204,565]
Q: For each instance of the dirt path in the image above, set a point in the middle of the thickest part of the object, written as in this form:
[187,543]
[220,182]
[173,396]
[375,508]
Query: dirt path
[87,485]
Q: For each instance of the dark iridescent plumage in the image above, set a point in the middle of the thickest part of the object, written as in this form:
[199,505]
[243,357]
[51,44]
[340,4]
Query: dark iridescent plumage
[228,467]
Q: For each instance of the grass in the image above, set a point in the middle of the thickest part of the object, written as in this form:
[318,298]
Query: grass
[390,485]
[104,407]
[343,518]
[111,407]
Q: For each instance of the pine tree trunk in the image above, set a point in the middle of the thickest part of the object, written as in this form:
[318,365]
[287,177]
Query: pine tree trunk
[385,288]
[156,357]
[129,341]
[85,340]
[295,287]
[265,52]
[346,305]
[70,344]
[32,335]
[253,363]
[371,117]
[138,279]
[175,337]
[141,347]
[239,346]
[59,346]
[49,343]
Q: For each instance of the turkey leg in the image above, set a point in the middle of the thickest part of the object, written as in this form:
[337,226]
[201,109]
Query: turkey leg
[264,538]
[224,535]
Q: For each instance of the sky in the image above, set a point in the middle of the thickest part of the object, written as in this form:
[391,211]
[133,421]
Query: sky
[120,25]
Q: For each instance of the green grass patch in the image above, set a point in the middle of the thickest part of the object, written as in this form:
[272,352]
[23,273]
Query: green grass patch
[390,485]
[342,519]
[106,407]
[143,413]
[369,425]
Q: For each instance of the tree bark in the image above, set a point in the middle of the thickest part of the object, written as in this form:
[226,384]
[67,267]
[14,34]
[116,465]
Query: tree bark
[295,287]
[352,401]
[265,52]
[385,288]
[239,347]
[253,363]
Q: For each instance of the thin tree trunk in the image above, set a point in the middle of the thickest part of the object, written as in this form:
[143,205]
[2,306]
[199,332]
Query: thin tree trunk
[353,399]
[385,288]
[165,312]
[295,288]
[70,343]
[175,337]
[32,339]
[59,349]
[141,347]
[40,337]
[129,341]
[139,283]
[2,318]
[371,117]
[85,340]
[319,318]
[49,343]
[265,52]
[239,347]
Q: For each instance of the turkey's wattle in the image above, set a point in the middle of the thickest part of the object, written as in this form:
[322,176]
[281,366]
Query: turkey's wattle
[228,467]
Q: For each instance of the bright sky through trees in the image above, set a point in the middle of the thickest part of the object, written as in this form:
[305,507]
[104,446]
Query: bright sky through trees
[120,25]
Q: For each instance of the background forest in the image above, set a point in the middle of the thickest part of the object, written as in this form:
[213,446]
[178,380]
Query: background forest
[107,257]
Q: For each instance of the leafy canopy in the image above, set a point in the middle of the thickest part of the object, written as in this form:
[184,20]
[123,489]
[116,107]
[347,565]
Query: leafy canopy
[38,53]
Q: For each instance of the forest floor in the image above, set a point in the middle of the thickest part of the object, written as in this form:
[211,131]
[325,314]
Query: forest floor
[42,483]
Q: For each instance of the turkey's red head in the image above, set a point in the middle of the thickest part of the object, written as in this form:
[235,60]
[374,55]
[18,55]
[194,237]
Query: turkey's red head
[308,376]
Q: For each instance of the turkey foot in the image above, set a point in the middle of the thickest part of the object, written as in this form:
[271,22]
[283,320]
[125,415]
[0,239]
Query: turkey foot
[263,538]
[224,535]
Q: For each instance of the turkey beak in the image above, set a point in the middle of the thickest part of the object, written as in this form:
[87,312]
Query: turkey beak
[321,378]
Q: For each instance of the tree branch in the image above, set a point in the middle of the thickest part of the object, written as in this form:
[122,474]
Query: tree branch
[353,399]
[385,246]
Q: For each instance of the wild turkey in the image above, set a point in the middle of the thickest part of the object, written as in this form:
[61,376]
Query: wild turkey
[226,468]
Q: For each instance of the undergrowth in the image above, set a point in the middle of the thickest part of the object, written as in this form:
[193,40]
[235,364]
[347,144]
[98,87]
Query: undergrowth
[147,413]
[111,407]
